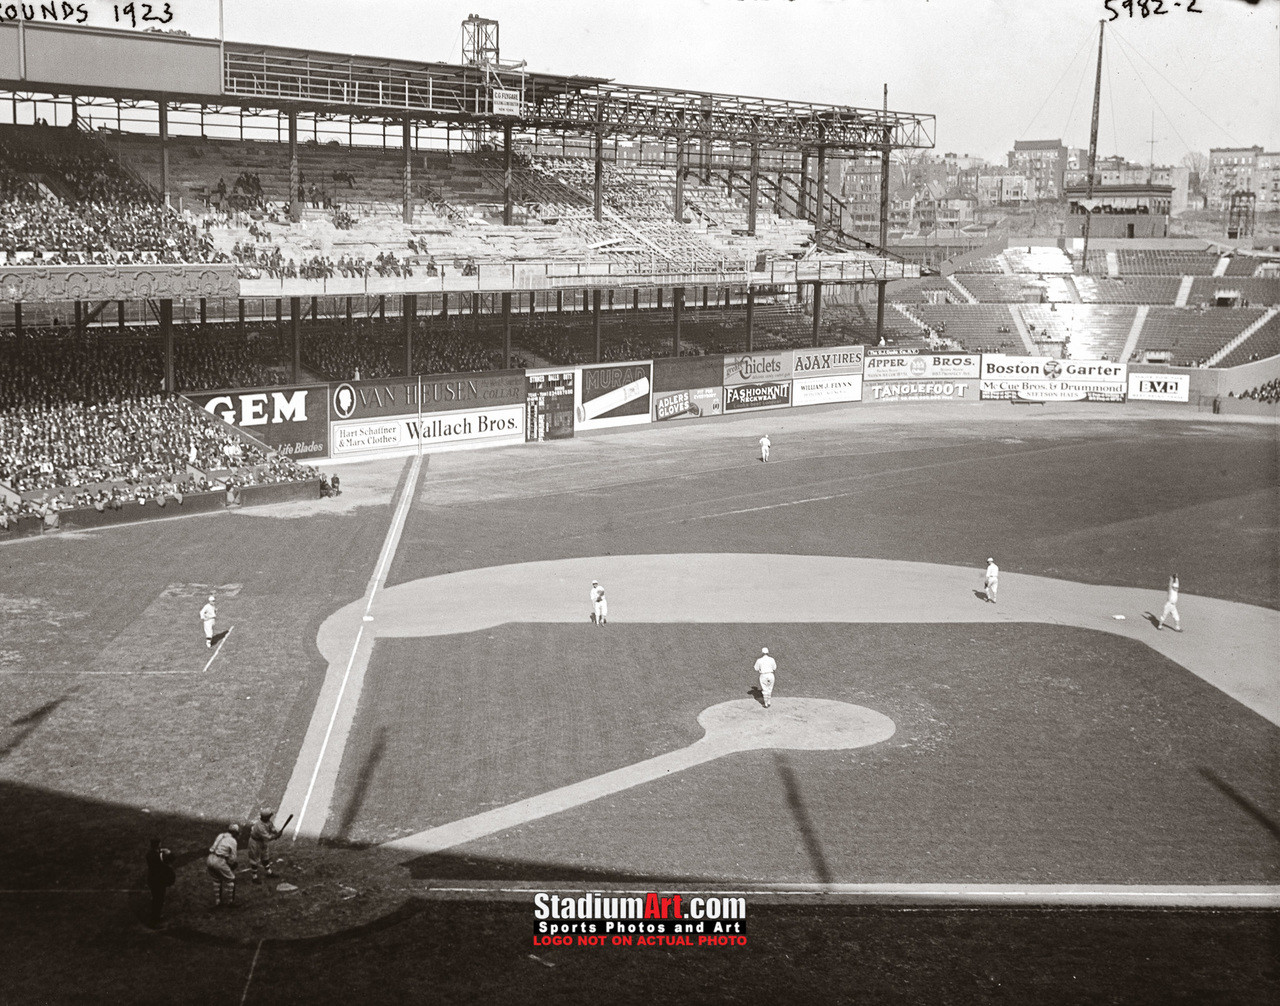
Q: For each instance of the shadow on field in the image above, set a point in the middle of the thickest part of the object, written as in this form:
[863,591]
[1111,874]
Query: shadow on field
[365,776]
[1241,801]
[30,722]
[795,801]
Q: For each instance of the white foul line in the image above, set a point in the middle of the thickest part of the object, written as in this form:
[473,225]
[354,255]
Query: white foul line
[218,649]
[389,546]
[248,980]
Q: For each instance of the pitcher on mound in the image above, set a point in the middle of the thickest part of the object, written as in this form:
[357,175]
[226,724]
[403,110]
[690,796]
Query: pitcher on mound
[765,667]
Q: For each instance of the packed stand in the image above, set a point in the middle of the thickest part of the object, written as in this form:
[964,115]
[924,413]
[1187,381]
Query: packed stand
[110,217]
[1268,393]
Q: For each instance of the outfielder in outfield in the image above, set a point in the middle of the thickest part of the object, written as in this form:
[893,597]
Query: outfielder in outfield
[1171,606]
[599,606]
[221,866]
[992,582]
[207,615]
[765,444]
[765,667]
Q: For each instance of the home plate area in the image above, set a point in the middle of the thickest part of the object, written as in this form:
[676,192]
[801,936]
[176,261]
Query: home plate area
[903,753]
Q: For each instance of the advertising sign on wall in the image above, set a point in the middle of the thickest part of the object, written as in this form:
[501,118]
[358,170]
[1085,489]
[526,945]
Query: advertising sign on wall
[432,431]
[619,394]
[920,391]
[549,404]
[688,404]
[820,390]
[752,368]
[747,397]
[826,360]
[1160,387]
[403,396]
[922,366]
[1044,379]
[293,421]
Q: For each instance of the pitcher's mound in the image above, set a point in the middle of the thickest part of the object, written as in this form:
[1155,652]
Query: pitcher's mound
[813,724]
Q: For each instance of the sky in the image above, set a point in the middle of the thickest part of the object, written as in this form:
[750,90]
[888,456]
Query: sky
[991,71]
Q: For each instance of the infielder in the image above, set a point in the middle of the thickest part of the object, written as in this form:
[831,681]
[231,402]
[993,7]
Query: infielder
[765,667]
[992,582]
[1171,606]
[221,865]
[262,832]
[764,447]
[600,607]
[207,615]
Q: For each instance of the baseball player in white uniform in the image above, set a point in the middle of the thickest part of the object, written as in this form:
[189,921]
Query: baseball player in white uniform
[1171,606]
[992,582]
[764,447]
[600,607]
[207,615]
[765,667]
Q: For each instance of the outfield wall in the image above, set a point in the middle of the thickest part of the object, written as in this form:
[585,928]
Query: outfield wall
[443,412]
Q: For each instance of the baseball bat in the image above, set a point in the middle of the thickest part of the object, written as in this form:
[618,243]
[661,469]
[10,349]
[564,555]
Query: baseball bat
[613,399]
[285,825]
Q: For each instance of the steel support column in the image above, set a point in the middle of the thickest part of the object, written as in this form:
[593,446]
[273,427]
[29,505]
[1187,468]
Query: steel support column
[295,203]
[166,337]
[295,331]
[820,192]
[120,314]
[597,191]
[677,302]
[204,311]
[507,195]
[17,319]
[884,233]
[408,312]
[240,315]
[817,313]
[754,196]
[595,322]
[677,210]
[751,316]
[164,151]
[802,196]
[506,325]
[406,140]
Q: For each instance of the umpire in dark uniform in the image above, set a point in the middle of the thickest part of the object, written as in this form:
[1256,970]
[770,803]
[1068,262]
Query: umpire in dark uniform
[160,877]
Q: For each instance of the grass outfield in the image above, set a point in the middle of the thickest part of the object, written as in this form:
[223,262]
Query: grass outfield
[1023,753]
[1095,502]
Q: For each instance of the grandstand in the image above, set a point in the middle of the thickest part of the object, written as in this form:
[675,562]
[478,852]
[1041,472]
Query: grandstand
[1192,336]
[1089,331]
[973,327]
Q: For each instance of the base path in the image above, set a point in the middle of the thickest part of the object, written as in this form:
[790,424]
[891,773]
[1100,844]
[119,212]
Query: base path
[1230,645]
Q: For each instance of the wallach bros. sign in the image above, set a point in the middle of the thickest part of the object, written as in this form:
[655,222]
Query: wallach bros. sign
[1045,379]
[432,431]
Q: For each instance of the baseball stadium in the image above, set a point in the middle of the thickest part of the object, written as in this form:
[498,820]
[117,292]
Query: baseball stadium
[381,369]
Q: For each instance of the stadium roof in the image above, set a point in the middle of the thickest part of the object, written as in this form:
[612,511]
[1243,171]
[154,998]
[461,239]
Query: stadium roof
[113,63]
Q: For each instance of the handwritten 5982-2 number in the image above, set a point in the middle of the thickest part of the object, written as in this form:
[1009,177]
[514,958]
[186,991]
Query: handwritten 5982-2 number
[1148,8]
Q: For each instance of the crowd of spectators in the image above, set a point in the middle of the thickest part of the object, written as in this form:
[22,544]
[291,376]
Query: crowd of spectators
[1268,393]
[255,262]
[51,367]
[372,349]
[108,217]
[131,440]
